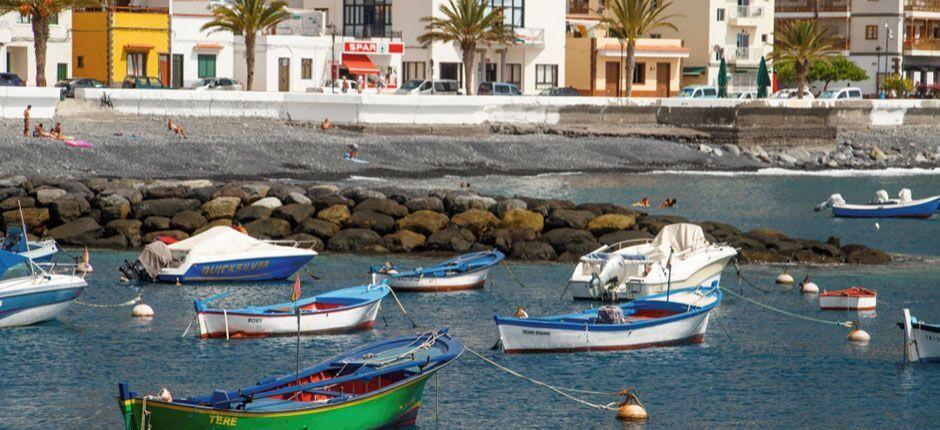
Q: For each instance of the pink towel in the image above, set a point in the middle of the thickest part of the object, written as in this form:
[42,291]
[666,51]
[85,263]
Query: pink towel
[78,143]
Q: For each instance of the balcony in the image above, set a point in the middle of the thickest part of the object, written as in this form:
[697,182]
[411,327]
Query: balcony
[747,16]
[579,6]
[922,44]
[783,6]
[747,56]
[922,5]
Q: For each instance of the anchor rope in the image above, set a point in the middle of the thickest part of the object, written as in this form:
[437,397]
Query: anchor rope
[133,301]
[747,281]
[512,274]
[784,312]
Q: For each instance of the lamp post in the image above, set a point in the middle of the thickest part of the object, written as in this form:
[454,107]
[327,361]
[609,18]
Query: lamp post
[888,35]
[333,67]
[878,70]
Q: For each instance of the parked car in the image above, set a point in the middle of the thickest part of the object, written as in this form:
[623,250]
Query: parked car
[560,92]
[699,92]
[422,86]
[143,82]
[216,84]
[842,94]
[68,86]
[11,80]
[498,89]
[790,93]
[745,95]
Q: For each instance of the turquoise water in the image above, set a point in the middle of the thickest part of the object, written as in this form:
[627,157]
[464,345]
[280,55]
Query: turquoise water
[755,368]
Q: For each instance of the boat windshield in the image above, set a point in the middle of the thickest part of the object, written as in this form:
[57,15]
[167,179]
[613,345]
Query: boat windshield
[19,270]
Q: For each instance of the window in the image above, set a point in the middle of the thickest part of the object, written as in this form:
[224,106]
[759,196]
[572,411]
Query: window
[452,71]
[137,64]
[367,18]
[763,38]
[719,14]
[80,62]
[513,11]
[743,40]
[61,71]
[656,36]
[306,68]
[489,72]
[871,32]
[206,66]
[414,70]
[513,74]
[546,75]
[27,19]
[639,73]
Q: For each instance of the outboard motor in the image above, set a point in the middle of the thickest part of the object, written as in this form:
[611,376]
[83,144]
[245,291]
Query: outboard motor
[135,271]
[149,263]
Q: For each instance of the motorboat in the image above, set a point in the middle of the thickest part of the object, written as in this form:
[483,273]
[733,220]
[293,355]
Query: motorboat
[921,340]
[31,294]
[338,311]
[18,243]
[218,254]
[463,272]
[849,299]
[882,206]
[379,385]
[671,318]
[678,257]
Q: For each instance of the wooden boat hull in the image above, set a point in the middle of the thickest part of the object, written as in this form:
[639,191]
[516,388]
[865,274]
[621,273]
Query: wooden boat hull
[463,281]
[216,324]
[847,303]
[396,406]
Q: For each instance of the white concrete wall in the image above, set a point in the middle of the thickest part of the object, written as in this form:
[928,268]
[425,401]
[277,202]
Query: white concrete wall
[17,39]
[13,101]
[268,49]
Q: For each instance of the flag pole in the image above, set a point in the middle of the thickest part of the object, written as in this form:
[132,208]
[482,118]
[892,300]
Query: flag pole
[295,296]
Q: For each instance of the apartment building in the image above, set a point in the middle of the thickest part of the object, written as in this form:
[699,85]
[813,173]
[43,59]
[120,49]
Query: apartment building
[17,54]
[112,42]
[881,36]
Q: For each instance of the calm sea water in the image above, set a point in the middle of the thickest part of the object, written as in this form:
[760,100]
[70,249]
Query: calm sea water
[755,369]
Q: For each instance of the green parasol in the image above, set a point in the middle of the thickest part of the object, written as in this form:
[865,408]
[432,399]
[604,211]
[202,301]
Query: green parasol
[763,79]
[722,79]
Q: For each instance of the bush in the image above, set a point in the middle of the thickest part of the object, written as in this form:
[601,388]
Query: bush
[901,85]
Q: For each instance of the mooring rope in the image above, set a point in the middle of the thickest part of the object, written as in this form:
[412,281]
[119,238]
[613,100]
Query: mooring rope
[807,318]
[746,281]
[403,311]
[133,301]
[511,273]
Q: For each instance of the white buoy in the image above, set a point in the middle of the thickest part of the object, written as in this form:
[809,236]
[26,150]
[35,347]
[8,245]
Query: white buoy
[858,335]
[809,287]
[877,226]
[784,278]
[142,311]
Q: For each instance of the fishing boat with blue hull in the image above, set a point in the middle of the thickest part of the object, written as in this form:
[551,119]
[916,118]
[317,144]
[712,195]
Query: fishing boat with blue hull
[218,254]
[338,311]
[379,385]
[463,272]
[672,318]
[883,207]
[30,294]
[18,243]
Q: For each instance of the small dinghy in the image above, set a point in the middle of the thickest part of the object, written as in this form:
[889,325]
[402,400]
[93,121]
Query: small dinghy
[379,385]
[660,320]
[883,207]
[921,340]
[218,254]
[18,243]
[460,273]
[849,299]
[337,311]
[30,294]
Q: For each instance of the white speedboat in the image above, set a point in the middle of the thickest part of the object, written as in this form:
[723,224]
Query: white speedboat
[631,269]
[921,340]
[30,294]
[218,254]
[38,251]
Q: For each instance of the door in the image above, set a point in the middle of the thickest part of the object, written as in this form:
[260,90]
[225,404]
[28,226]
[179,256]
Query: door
[490,73]
[662,79]
[62,71]
[612,75]
[163,69]
[178,71]
[283,74]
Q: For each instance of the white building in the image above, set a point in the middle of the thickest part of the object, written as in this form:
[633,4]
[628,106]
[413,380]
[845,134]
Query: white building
[17,54]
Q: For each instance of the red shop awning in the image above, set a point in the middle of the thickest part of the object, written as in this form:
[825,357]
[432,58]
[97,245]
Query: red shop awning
[359,64]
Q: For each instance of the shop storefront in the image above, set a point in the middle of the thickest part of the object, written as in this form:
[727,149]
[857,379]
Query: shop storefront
[371,60]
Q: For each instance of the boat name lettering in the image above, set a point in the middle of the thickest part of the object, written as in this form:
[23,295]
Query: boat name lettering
[219,420]
[221,269]
[254,320]
[537,332]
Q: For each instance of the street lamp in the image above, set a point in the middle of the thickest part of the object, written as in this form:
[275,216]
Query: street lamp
[333,68]
[888,35]
[877,70]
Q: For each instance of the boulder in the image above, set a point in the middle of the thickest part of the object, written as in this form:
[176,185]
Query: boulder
[116,241]
[130,228]
[327,200]
[353,239]
[256,191]
[765,235]
[234,191]
[475,220]
[221,222]
[13,181]
[270,228]
[425,204]
[299,198]
[575,251]
[569,218]
[382,206]
[744,242]
[622,235]
[188,221]
[15,202]
[504,238]
[713,227]
[599,209]
[424,222]
[156,223]
[336,214]
[203,194]
[131,194]
[34,218]
[359,194]
[321,189]
[251,213]
[545,207]
[533,251]
[68,208]
[561,239]
[507,205]
[8,192]
[268,202]
[165,192]
[610,223]
[456,203]
[752,256]
[861,254]
[307,241]
[378,222]
[283,192]
[221,207]
[112,206]
[175,234]
[317,227]
[75,232]
[165,207]
[785,247]
[294,212]
[403,241]
[521,218]
[452,238]
[654,223]
[46,195]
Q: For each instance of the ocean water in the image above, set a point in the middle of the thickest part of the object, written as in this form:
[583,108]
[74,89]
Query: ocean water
[755,369]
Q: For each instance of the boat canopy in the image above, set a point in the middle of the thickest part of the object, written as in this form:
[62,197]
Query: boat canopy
[678,238]
[10,261]
[220,240]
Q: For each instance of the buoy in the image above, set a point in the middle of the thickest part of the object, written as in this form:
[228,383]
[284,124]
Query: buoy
[784,278]
[142,311]
[85,265]
[877,226]
[521,313]
[631,409]
[808,287]
[859,335]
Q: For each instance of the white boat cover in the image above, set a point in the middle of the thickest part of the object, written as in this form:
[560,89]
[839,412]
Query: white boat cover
[904,195]
[678,237]
[881,196]
[220,240]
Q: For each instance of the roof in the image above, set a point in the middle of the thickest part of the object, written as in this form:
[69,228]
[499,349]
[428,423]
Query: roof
[208,45]
[137,47]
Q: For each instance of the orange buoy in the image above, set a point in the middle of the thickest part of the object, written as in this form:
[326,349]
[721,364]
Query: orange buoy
[632,409]
[859,335]
[520,313]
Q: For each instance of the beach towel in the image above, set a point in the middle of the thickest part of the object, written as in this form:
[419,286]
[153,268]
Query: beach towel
[76,143]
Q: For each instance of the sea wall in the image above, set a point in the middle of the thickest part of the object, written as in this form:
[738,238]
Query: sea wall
[13,101]
[127,213]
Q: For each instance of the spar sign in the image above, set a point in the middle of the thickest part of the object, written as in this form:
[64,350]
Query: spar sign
[383,47]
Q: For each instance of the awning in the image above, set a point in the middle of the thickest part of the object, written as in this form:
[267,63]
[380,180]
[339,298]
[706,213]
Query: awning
[693,71]
[359,64]
[137,47]
[208,46]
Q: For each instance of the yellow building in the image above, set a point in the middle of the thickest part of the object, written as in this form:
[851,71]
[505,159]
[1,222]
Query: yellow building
[111,43]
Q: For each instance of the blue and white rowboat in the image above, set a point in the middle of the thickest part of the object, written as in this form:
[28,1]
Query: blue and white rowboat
[895,208]
[921,340]
[648,322]
[16,242]
[463,272]
[30,295]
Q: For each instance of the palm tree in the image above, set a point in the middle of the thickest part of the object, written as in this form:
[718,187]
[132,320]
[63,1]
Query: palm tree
[802,43]
[468,23]
[247,18]
[629,20]
[39,12]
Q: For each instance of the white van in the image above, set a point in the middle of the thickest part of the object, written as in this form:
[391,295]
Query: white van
[421,86]
[698,92]
[842,94]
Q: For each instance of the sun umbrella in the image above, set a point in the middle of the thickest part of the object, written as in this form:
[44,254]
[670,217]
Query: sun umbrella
[763,79]
[722,79]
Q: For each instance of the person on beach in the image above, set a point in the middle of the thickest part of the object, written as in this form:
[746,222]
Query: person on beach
[176,128]
[56,131]
[361,83]
[643,203]
[326,124]
[26,120]
[344,84]
[380,84]
[353,150]
[668,203]
[40,131]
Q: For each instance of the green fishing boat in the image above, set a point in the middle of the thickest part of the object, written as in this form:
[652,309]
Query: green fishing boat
[375,386]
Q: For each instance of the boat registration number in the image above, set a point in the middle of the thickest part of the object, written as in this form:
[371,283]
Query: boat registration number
[254,320]
[220,420]
[236,268]
[537,332]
